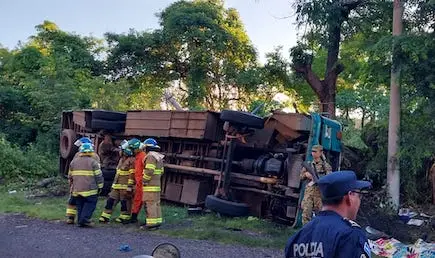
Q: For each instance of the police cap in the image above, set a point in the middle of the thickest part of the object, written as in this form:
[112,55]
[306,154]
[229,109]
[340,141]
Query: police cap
[338,184]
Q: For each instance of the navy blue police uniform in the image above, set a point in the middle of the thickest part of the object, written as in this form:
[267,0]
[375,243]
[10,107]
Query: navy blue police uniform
[329,234]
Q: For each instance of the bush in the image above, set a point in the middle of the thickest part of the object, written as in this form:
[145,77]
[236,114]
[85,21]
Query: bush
[352,135]
[24,165]
[416,148]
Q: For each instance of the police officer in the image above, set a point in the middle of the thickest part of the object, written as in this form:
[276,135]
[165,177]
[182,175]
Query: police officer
[312,200]
[332,233]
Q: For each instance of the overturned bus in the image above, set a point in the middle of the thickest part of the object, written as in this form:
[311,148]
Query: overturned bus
[231,162]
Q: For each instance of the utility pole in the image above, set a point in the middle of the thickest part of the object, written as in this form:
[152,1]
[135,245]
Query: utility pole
[393,169]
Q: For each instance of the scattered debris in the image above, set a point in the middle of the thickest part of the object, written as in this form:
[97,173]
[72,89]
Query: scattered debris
[194,211]
[415,222]
[125,248]
[251,218]
[394,248]
[405,214]
[388,220]
[373,233]
[49,187]
[45,182]
[425,215]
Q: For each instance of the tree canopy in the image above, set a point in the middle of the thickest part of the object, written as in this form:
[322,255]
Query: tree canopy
[202,54]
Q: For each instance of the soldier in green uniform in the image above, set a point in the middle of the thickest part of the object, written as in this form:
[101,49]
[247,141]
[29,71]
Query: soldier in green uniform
[312,199]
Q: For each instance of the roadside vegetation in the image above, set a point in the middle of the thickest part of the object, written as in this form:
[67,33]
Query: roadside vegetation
[177,223]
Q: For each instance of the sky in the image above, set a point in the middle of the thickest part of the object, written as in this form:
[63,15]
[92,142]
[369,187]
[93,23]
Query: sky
[269,23]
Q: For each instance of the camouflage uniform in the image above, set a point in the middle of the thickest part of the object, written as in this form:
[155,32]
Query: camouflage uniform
[312,199]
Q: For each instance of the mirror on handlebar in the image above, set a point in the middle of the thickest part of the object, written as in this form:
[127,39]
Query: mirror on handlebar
[165,250]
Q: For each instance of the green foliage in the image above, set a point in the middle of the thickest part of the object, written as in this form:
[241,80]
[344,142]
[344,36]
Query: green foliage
[261,84]
[200,43]
[203,53]
[25,164]
[352,135]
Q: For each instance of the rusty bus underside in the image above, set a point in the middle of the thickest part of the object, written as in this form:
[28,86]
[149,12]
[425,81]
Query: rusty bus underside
[265,164]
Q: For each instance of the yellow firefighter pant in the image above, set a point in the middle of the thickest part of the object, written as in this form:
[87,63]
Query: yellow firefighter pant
[71,208]
[151,201]
[312,201]
[115,196]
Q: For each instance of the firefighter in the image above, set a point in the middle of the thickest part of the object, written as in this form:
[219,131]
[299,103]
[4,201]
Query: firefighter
[312,199]
[86,181]
[71,209]
[122,187]
[137,147]
[82,140]
[151,183]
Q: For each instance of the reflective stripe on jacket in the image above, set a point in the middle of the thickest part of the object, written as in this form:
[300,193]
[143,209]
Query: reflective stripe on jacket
[85,175]
[124,174]
[152,172]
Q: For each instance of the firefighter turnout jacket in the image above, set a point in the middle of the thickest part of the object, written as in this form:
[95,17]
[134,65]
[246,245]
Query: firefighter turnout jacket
[85,175]
[152,171]
[93,155]
[151,188]
[124,177]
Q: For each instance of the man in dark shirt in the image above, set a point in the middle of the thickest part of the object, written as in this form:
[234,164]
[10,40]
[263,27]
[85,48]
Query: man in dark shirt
[109,156]
[332,233]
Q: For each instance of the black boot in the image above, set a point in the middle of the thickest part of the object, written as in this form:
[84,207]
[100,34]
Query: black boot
[70,220]
[133,218]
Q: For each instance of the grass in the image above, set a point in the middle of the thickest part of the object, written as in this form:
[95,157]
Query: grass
[246,231]
[252,232]
[177,223]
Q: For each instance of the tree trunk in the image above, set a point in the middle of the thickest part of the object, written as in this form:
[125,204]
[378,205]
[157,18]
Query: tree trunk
[393,171]
[326,89]
[331,74]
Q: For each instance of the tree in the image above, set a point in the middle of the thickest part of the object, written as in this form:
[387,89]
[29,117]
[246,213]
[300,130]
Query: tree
[45,76]
[324,17]
[371,64]
[260,85]
[200,44]
[393,172]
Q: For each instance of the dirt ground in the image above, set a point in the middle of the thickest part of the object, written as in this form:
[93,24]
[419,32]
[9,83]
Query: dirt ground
[371,214]
[25,237]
